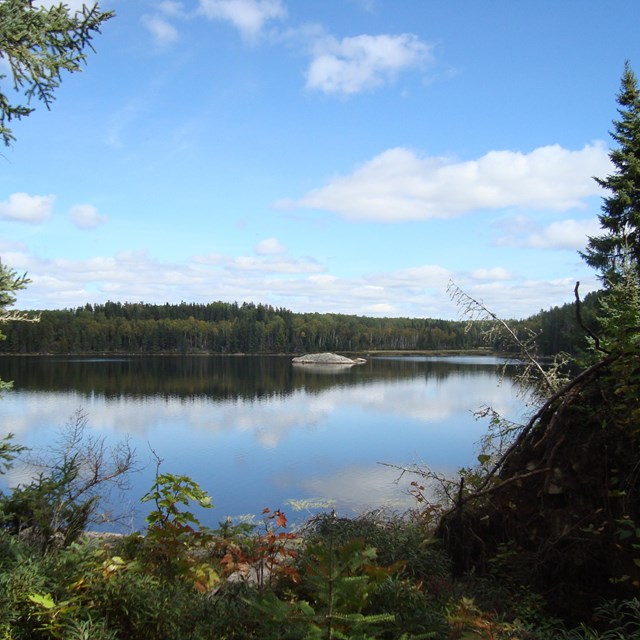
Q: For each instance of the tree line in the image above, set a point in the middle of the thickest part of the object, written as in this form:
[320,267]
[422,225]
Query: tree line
[222,327]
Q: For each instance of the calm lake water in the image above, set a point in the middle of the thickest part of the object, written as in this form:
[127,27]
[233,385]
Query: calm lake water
[257,431]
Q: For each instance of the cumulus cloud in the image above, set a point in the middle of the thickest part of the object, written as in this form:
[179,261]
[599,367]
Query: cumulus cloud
[252,263]
[565,234]
[21,207]
[269,258]
[171,8]
[399,185]
[358,63]
[301,284]
[248,16]
[86,216]
[163,32]
[497,273]
[261,263]
[520,298]
[269,247]
[423,276]
[523,231]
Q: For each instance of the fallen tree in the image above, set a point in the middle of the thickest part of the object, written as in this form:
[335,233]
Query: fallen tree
[563,500]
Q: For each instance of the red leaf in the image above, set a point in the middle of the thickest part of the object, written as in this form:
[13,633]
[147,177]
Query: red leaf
[281,519]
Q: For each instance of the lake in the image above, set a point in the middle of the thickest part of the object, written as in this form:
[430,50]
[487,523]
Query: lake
[256,431]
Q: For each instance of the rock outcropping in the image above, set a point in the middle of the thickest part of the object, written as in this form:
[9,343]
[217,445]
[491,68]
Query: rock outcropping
[327,359]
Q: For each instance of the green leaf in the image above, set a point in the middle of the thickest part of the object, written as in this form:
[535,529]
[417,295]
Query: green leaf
[45,601]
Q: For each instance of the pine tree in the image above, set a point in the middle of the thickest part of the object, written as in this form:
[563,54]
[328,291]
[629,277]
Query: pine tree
[617,250]
[38,44]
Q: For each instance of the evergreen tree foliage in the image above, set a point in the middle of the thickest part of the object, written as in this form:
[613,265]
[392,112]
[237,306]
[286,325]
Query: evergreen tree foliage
[220,327]
[38,44]
[10,283]
[620,218]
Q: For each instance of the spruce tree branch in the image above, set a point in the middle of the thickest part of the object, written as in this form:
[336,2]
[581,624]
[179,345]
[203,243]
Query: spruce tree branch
[591,334]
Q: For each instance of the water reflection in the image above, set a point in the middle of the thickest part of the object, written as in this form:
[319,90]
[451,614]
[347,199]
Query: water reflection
[256,431]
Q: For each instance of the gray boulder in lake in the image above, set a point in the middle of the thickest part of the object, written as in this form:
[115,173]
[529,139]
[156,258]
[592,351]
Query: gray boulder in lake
[326,358]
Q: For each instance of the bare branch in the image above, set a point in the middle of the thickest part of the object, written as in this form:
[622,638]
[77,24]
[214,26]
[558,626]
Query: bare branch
[476,310]
[581,324]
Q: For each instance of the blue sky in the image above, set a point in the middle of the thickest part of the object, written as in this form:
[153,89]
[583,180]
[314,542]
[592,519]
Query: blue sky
[347,156]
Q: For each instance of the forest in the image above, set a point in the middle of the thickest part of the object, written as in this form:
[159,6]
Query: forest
[225,328]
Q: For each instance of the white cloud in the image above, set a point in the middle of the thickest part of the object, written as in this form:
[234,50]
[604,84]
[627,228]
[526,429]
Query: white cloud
[248,16]
[252,263]
[424,276]
[302,285]
[523,231]
[270,247]
[86,216]
[358,487]
[381,309]
[163,32]
[363,62]
[171,8]
[522,297]
[496,273]
[565,234]
[260,263]
[398,185]
[22,207]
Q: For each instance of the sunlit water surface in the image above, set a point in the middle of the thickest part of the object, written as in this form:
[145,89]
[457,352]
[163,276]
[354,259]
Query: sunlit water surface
[258,432]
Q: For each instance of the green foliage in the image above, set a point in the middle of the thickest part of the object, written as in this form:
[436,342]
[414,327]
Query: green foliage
[173,533]
[338,582]
[169,492]
[9,452]
[228,328]
[18,616]
[105,589]
[43,508]
[616,621]
[39,44]
[249,328]
[73,480]
[618,247]
[400,541]
[620,338]
[10,283]
[140,606]
[619,317]
[348,588]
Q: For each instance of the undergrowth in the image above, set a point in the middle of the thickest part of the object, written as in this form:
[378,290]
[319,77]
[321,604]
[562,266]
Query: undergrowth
[373,576]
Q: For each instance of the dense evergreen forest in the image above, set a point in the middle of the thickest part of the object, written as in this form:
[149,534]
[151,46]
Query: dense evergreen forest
[221,327]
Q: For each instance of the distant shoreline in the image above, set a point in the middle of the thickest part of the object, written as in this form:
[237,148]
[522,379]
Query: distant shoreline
[368,353]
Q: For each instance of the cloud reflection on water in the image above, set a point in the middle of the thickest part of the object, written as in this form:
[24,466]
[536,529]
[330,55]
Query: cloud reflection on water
[319,442]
